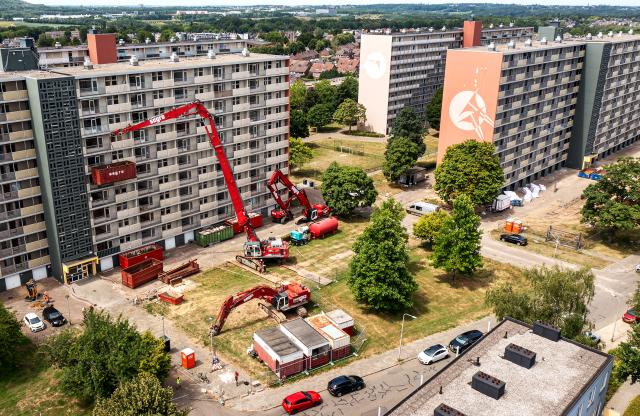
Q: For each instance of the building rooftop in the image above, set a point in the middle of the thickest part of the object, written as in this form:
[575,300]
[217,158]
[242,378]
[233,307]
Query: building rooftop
[339,317]
[148,45]
[609,37]
[326,327]
[519,47]
[163,64]
[304,332]
[561,372]
[277,341]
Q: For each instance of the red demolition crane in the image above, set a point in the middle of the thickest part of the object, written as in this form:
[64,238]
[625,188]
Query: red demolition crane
[255,251]
[286,297]
[284,214]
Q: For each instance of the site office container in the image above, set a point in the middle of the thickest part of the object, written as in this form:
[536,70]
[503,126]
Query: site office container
[138,255]
[213,235]
[141,273]
[114,172]
[278,352]
[342,320]
[339,340]
[315,347]
[255,220]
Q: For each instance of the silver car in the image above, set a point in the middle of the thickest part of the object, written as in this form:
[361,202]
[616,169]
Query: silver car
[432,354]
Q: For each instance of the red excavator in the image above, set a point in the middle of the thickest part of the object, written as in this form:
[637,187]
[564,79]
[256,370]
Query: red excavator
[255,251]
[284,214]
[286,297]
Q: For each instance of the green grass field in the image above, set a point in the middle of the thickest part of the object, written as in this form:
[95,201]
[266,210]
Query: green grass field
[634,408]
[4,24]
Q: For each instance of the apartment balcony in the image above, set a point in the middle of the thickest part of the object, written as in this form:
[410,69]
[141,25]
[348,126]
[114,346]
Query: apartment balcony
[90,131]
[241,91]
[126,196]
[129,229]
[34,228]
[166,170]
[174,216]
[36,245]
[275,87]
[204,79]
[20,155]
[278,116]
[111,216]
[114,89]
[277,101]
[168,186]
[208,207]
[163,154]
[169,135]
[241,107]
[122,144]
[26,173]
[276,71]
[165,83]
[240,75]
[206,96]
[119,108]
[14,95]
[164,102]
[12,251]
[20,135]
[127,213]
[207,191]
[277,130]
[14,268]
[130,245]
[172,232]
[243,122]
[26,192]
[168,202]
[18,115]
[208,161]
[283,144]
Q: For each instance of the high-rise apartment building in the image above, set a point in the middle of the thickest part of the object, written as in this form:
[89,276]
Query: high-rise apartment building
[609,101]
[405,69]
[158,184]
[519,96]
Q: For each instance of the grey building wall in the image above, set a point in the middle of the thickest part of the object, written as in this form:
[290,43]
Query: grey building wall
[549,32]
[56,128]
[592,400]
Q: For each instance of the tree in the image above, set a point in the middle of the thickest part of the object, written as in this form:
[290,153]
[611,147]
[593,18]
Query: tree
[350,112]
[401,154]
[297,95]
[344,38]
[456,246]
[612,204]
[11,340]
[378,274]
[143,35]
[45,41]
[107,353]
[274,37]
[319,115]
[554,295]
[628,354]
[311,98]
[143,395]
[299,153]
[327,94]
[408,124]
[295,47]
[299,126]
[428,226]
[434,108]
[345,188]
[348,89]
[470,168]
[166,35]
[321,44]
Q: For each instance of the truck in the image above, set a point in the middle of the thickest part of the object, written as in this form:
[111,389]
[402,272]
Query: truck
[501,203]
[413,176]
[319,229]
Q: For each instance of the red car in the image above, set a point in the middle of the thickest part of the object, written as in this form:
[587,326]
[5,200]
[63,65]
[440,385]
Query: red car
[631,316]
[302,400]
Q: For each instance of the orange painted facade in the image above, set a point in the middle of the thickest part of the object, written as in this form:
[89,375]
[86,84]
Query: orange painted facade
[470,97]
[471,34]
[102,48]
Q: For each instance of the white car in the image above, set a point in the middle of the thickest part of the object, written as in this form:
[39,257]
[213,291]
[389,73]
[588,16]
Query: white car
[34,323]
[432,354]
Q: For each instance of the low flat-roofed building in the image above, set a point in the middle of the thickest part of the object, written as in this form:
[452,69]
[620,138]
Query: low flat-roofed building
[567,378]
[315,347]
[339,340]
[277,351]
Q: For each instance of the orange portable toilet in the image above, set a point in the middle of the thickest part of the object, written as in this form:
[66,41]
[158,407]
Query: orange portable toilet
[517,227]
[188,358]
[508,226]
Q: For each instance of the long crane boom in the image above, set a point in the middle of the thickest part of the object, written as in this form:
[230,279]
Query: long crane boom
[197,108]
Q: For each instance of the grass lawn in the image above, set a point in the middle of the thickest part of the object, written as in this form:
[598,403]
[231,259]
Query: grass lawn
[634,408]
[33,390]
[8,24]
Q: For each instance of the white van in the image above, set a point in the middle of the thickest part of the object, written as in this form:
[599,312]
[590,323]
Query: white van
[421,208]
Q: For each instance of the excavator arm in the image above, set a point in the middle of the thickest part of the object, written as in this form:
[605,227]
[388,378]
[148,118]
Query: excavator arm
[197,108]
[231,302]
[294,192]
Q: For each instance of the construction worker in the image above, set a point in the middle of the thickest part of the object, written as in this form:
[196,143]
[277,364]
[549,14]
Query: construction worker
[236,376]
[178,382]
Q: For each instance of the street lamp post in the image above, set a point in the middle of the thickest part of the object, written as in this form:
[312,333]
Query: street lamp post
[68,310]
[402,333]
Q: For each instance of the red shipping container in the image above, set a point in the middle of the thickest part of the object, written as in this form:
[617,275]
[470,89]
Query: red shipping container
[188,358]
[141,273]
[138,255]
[114,172]
[323,227]
[255,220]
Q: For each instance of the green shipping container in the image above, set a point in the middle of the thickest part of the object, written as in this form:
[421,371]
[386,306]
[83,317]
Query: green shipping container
[209,236]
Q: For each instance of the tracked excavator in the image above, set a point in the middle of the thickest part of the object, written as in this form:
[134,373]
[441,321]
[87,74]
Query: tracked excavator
[283,213]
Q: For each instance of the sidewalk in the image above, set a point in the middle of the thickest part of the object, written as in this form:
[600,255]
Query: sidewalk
[625,394]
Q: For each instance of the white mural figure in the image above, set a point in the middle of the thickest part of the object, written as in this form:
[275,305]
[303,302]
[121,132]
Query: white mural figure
[468,110]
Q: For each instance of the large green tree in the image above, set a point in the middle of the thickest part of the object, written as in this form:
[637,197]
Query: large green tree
[345,188]
[298,124]
[612,204]
[348,89]
[327,94]
[107,353]
[456,246]
[299,153]
[401,154]
[344,38]
[434,108]
[350,112]
[554,295]
[379,276]
[311,98]
[143,395]
[319,115]
[298,95]
[11,340]
[628,355]
[470,168]
[408,124]
[429,225]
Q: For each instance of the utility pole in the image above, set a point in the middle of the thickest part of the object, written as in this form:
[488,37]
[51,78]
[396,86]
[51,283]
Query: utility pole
[402,333]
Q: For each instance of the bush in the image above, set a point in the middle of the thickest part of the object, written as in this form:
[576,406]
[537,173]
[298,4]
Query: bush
[11,340]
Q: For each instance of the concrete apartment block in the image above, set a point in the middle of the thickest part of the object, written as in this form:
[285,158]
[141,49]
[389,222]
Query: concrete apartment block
[405,69]
[609,101]
[519,96]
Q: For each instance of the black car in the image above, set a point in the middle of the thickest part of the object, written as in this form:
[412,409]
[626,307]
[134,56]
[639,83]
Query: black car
[463,341]
[53,316]
[345,384]
[514,238]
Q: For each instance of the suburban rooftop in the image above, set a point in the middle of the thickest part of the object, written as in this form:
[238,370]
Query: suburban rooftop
[277,341]
[561,371]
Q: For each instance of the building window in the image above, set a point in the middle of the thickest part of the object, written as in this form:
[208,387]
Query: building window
[157,76]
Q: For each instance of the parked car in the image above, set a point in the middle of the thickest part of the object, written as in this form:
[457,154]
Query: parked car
[422,208]
[300,401]
[465,340]
[34,323]
[432,354]
[53,316]
[514,239]
[631,316]
[592,336]
[345,384]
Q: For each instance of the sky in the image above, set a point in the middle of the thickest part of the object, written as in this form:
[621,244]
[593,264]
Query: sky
[315,2]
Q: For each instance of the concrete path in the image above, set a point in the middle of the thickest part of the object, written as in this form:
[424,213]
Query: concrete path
[340,136]
[625,394]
